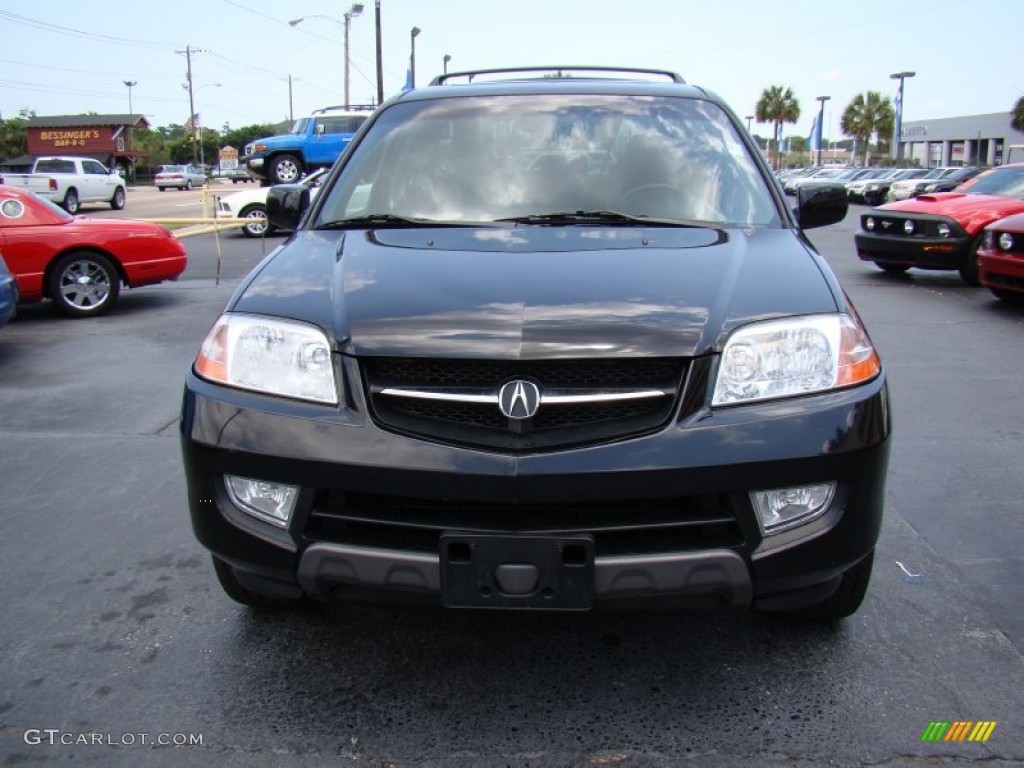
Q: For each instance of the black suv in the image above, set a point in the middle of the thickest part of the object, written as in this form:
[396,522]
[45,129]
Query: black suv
[546,339]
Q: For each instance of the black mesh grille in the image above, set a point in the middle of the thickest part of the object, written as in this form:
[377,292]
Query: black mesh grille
[625,526]
[482,425]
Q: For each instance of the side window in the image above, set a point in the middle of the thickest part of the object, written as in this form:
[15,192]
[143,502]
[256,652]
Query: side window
[91,166]
[333,124]
[342,124]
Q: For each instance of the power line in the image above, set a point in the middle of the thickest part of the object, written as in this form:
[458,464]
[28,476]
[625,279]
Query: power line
[50,27]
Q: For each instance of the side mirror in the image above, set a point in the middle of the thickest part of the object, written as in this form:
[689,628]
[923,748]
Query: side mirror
[819,205]
[286,203]
[321,129]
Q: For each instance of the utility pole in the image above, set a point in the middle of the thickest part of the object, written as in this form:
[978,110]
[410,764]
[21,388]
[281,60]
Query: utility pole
[291,110]
[380,61]
[191,102]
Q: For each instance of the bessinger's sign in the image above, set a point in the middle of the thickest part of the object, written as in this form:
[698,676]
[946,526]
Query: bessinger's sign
[69,138]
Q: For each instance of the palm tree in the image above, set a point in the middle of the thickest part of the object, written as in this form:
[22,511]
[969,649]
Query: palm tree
[1017,116]
[868,114]
[777,105]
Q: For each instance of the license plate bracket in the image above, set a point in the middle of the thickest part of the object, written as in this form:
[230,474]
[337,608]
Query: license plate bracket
[532,572]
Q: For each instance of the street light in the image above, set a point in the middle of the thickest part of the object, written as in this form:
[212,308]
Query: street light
[351,13]
[131,160]
[445,60]
[413,34]
[821,118]
[379,54]
[901,76]
[749,118]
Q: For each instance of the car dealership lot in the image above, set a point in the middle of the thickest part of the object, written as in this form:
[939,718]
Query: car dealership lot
[115,625]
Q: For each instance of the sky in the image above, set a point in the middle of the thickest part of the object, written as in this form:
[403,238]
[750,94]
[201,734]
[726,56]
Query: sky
[66,57]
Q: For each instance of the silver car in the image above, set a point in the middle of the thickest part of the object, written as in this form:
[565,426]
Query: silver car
[179,177]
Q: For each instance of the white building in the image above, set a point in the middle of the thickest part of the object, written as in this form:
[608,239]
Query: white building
[970,140]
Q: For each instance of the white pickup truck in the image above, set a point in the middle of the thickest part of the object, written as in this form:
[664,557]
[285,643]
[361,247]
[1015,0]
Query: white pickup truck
[71,181]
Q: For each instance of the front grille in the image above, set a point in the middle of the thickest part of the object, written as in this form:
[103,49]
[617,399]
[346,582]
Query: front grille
[619,527]
[482,424]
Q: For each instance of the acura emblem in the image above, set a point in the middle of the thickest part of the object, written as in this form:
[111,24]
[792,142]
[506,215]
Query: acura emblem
[519,399]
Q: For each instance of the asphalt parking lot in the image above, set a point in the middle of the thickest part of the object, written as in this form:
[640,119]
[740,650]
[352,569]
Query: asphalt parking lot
[114,625]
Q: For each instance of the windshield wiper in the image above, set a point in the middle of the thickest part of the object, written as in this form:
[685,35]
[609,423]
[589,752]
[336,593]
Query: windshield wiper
[375,220]
[596,217]
[390,220]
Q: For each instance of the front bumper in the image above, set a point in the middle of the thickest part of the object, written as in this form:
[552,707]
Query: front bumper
[1001,270]
[669,513]
[914,251]
[255,164]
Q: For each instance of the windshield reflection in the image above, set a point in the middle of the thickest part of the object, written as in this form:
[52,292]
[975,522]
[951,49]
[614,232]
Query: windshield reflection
[489,158]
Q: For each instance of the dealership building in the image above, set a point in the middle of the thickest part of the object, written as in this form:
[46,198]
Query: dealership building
[969,140]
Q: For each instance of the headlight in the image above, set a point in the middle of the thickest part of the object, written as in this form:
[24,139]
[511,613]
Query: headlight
[908,226]
[266,354]
[1006,241]
[795,356]
[943,229]
[869,224]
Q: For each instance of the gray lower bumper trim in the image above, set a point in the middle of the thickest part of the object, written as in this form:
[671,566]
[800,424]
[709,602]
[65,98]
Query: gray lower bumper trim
[326,566]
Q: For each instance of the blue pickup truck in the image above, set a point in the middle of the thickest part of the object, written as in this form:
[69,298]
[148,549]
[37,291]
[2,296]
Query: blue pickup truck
[314,142]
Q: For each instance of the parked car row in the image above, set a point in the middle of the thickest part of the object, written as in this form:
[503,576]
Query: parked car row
[874,186]
[975,229]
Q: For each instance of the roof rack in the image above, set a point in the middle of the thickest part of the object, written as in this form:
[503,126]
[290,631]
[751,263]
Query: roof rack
[350,108]
[557,72]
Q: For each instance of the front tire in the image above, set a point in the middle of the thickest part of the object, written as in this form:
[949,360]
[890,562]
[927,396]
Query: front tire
[71,203]
[969,269]
[285,169]
[117,201]
[258,226]
[240,593]
[84,284]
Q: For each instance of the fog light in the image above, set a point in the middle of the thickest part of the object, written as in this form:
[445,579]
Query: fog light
[270,502]
[908,227]
[784,508]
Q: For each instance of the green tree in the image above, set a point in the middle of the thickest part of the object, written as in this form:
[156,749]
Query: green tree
[869,114]
[1017,116]
[777,105]
[14,136]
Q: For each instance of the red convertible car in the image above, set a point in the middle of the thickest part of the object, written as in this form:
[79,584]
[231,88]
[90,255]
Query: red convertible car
[1001,258]
[942,230]
[77,261]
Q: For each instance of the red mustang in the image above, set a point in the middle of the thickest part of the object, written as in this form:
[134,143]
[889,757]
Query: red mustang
[942,230]
[80,262]
[1001,258]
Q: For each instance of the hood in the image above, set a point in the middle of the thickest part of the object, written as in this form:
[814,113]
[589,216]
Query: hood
[537,292]
[972,212]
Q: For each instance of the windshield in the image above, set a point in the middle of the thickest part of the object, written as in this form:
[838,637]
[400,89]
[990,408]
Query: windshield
[998,181]
[300,125]
[484,159]
[55,209]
